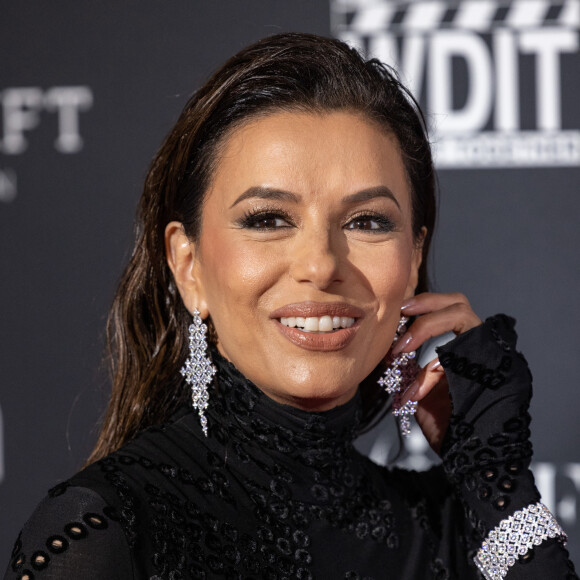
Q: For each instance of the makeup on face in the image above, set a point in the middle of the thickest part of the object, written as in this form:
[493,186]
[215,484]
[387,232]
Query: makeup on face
[306,253]
[319,325]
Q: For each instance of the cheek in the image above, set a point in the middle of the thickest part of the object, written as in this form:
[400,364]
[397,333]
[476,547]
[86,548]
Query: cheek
[387,270]
[233,273]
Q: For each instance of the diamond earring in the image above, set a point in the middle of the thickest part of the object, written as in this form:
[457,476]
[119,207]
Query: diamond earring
[400,373]
[198,369]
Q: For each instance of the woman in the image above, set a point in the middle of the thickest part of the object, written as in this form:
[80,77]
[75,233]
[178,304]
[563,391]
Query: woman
[291,209]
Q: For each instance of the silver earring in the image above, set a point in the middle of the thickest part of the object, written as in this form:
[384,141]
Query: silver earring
[198,369]
[400,373]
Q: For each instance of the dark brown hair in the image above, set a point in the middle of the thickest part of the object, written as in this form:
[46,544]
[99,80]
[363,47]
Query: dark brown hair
[147,325]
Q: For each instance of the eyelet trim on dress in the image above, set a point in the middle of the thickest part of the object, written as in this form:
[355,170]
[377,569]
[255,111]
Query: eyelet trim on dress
[56,544]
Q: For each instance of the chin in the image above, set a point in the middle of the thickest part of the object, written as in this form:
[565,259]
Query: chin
[316,399]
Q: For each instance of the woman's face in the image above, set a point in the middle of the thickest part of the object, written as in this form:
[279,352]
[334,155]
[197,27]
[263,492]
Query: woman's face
[305,255]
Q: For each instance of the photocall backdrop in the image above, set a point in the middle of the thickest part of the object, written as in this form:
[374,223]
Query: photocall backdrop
[88,91]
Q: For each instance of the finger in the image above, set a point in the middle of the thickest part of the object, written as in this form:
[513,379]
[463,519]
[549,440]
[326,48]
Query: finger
[430,301]
[425,382]
[457,318]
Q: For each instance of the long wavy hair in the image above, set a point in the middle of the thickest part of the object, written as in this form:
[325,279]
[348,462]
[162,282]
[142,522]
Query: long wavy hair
[147,324]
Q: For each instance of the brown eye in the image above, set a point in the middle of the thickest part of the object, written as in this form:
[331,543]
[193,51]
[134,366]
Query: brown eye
[265,221]
[359,224]
[268,223]
[371,223]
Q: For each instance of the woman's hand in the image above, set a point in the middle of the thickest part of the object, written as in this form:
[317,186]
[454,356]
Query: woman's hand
[436,314]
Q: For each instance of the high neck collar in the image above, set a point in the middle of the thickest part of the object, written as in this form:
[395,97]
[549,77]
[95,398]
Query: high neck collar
[249,414]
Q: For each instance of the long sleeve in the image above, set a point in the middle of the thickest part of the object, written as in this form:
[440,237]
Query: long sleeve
[72,534]
[487,451]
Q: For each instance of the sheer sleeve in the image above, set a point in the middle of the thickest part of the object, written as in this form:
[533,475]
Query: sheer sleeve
[487,451]
[72,534]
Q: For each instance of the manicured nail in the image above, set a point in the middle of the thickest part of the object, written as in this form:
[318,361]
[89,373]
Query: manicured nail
[408,303]
[411,393]
[402,343]
[434,365]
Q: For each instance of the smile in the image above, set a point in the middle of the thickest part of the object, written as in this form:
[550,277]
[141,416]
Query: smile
[320,326]
[318,323]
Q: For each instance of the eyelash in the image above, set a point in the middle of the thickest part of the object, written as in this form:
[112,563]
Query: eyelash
[253,217]
[251,220]
[385,223]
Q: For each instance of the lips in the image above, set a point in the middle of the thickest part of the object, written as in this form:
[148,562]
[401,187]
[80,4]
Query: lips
[307,336]
[318,309]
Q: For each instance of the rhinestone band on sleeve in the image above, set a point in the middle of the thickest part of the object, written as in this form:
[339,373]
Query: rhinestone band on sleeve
[513,537]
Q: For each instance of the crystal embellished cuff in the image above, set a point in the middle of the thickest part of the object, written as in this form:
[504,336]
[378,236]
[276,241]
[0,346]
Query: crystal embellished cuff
[513,537]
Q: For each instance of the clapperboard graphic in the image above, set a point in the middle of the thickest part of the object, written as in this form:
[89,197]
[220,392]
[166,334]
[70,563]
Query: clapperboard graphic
[497,79]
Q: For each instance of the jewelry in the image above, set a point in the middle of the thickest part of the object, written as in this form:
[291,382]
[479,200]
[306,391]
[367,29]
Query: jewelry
[399,375]
[198,369]
[513,537]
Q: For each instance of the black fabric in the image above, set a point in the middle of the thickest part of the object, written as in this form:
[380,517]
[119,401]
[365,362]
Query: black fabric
[275,492]
[71,535]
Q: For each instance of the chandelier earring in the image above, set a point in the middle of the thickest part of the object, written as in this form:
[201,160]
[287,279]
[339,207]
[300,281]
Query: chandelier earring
[400,373]
[198,369]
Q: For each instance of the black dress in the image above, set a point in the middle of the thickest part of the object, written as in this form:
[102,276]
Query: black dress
[275,492]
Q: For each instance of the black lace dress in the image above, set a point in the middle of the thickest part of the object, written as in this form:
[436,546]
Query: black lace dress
[275,492]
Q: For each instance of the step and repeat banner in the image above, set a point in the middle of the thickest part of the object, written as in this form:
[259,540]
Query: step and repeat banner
[87,93]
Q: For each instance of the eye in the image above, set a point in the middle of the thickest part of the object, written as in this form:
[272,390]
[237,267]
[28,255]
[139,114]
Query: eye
[371,223]
[265,221]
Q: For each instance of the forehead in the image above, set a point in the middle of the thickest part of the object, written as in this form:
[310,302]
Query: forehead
[313,154]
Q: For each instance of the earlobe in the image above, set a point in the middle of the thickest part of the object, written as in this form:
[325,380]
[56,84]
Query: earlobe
[180,253]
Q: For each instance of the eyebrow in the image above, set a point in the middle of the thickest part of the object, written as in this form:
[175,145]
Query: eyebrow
[267,193]
[371,193]
[262,192]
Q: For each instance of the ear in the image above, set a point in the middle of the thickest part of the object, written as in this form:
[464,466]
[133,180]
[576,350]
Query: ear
[181,256]
[416,260]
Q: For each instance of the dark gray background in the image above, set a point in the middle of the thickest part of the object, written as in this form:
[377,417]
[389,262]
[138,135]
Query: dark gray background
[507,238]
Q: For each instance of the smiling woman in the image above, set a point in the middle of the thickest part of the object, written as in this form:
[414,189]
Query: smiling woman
[289,212]
[322,228]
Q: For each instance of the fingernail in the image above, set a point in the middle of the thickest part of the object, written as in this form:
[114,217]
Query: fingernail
[402,343]
[433,365]
[411,392]
[408,303]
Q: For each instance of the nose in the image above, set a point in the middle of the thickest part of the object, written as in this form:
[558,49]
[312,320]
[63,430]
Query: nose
[316,259]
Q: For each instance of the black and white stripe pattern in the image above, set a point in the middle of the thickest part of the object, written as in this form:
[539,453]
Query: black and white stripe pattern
[366,17]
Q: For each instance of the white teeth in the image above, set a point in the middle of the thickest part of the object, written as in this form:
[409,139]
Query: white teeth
[346,322]
[318,324]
